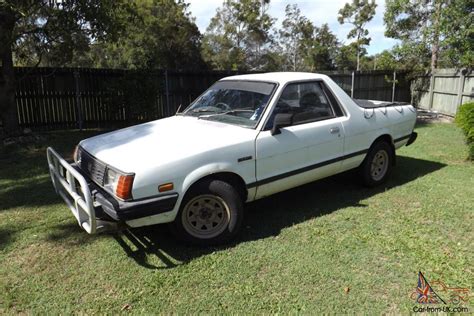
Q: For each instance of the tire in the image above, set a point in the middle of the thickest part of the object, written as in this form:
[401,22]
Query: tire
[377,165]
[211,213]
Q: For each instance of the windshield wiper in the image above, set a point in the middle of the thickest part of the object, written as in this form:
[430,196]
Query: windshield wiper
[228,112]
[203,110]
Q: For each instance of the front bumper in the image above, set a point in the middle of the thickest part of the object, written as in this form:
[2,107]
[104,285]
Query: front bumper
[125,211]
[95,209]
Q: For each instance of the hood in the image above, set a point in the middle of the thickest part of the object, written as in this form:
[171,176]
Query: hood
[163,141]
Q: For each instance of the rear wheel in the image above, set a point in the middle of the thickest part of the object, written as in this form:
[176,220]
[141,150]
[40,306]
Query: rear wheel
[377,166]
[211,213]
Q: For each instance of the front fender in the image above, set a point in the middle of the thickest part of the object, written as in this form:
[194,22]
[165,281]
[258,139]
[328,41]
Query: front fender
[204,171]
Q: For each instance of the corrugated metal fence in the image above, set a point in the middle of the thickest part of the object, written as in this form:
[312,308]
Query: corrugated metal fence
[62,98]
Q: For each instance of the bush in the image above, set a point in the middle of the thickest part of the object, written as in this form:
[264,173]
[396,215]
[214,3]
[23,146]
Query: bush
[465,120]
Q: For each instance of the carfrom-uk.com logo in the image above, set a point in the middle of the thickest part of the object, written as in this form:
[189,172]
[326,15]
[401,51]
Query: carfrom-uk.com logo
[437,297]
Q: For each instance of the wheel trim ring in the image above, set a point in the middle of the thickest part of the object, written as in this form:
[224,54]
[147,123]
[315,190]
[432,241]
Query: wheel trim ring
[193,222]
[379,165]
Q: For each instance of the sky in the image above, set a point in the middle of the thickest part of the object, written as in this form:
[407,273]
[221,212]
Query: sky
[318,11]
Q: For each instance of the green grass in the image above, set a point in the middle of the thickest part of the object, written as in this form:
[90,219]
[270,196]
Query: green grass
[299,250]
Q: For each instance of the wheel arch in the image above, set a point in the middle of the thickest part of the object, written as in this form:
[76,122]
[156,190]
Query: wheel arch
[227,176]
[389,140]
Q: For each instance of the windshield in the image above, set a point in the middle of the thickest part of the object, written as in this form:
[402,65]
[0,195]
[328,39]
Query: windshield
[234,102]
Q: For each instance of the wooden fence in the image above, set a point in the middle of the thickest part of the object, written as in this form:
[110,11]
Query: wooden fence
[444,90]
[63,98]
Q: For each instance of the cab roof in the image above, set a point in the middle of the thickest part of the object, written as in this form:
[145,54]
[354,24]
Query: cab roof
[279,77]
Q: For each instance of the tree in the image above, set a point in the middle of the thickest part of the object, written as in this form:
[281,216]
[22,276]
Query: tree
[412,56]
[34,29]
[163,36]
[346,58]
[415,22]
[297,40]
[305,46]
[358,13]
[457,31]
[385,61]
[324,50]
[446,27]
[238,36]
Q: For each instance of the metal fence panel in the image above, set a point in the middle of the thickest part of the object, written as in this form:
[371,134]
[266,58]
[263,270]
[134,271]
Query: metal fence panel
[63,98]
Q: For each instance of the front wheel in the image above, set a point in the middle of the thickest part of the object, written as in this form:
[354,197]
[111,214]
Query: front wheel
[211,213]
[377,166]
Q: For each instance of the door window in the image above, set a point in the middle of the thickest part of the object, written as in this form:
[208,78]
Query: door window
[306,101]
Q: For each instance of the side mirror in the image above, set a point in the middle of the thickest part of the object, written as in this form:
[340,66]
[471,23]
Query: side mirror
[281,120]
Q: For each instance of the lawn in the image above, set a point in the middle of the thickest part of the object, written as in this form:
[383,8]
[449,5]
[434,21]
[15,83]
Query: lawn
[330,246]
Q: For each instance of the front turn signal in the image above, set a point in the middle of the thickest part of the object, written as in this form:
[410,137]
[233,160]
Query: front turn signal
[124,187]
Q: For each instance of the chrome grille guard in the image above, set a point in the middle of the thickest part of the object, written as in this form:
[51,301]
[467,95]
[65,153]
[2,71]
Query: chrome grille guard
[71,185]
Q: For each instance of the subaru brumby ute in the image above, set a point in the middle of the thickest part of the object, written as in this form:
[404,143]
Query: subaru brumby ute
[245,138]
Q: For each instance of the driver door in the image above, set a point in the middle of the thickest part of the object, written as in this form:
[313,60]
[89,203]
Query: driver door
[307,150]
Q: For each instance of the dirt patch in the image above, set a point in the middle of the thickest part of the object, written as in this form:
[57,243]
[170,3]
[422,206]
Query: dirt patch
[424,116]
[36,257]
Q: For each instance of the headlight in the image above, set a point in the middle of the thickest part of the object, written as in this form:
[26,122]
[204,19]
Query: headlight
[119,184]
[111,179]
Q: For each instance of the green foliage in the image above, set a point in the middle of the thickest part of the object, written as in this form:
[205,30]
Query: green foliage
[445,28]
[407,56]
[346,58]
[412,55]
[126,34]
[306,47]
[163,36]
[324,50]
[465,120]
[296,36]
[415,23]
[52,33]
[358,13]
[457,28]
[238,37]
[385,61]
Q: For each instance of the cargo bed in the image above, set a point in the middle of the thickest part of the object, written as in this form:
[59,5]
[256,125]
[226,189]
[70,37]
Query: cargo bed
[370,104]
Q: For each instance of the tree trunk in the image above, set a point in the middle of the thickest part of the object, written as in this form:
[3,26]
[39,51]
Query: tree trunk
[8,111]
[358,58]
[435,44]
[358,52]
[294,61]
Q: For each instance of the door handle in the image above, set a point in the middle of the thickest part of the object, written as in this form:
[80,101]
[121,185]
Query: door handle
[334,130]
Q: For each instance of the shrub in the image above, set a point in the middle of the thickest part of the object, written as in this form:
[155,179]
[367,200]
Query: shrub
[465,120]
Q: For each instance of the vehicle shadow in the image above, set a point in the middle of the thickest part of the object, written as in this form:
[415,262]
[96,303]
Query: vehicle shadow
[279,211]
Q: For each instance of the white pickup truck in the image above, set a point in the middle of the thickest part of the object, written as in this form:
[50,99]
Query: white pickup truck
[245,138]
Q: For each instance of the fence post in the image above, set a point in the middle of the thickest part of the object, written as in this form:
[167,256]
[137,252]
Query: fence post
[78,100]
[431,91]
[462,80]
[394,83]
[352,85]
[167,94]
